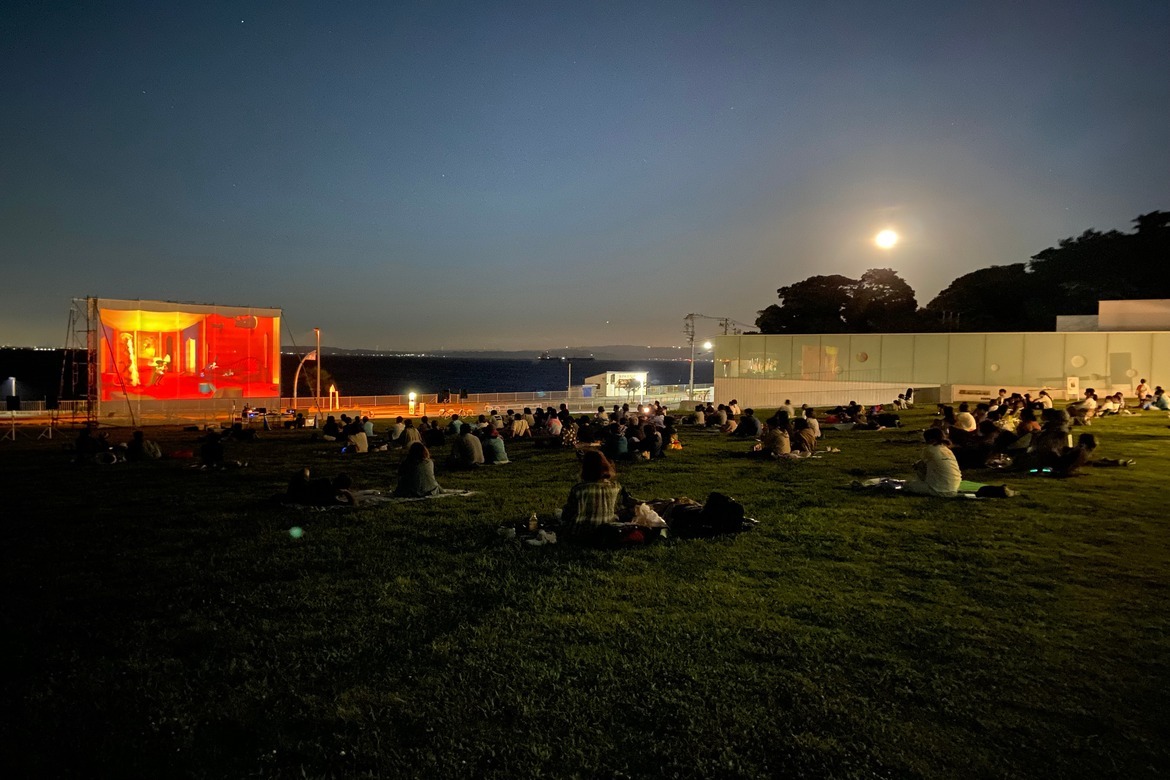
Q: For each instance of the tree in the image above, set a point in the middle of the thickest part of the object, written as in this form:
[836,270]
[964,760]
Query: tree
[881,302]
[814,305]
[999,298]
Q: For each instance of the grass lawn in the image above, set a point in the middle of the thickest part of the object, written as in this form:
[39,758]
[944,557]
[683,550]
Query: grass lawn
[159,620]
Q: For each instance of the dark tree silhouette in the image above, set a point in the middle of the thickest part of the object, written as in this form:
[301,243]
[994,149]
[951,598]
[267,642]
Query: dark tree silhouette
[999,298]
[815,305]
[881,302]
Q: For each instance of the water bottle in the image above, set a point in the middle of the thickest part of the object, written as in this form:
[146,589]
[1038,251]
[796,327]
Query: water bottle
[533,523]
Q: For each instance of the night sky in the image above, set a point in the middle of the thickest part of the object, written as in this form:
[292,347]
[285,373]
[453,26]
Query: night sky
[527,175]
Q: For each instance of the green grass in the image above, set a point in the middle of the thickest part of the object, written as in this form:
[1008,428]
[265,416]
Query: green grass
[159,620]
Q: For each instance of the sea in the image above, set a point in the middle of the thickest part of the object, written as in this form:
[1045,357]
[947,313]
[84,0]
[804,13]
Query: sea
[38,373]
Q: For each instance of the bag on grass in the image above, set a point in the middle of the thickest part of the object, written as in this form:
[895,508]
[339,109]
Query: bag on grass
[720,515]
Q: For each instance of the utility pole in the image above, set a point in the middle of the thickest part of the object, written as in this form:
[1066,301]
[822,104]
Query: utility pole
[689,330]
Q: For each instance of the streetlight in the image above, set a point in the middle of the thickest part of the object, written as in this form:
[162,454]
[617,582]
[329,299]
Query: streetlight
[706,347]
[317,420]
[296,377]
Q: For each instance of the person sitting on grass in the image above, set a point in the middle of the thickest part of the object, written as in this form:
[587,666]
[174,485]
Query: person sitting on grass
[803,443]
[1073,458]
[1155,400]
[494,453]
[332,430]
[139,448]
[774,443]
[1084,410]
[466,450]
[699,418]
[749,425]
[455,427]
[1049,444]
[651,443]
[615,445]
[937,472]
[416,474]
[520,428]
[594,501]
[304,490]
[814,425]
[409,436]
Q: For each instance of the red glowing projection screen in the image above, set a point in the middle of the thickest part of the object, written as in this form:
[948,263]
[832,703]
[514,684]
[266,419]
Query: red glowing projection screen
[159,350]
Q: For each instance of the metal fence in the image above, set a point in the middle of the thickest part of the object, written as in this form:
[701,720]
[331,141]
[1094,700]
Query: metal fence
[667,395]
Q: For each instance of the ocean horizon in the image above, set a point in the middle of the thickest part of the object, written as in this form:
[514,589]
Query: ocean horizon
[39,372]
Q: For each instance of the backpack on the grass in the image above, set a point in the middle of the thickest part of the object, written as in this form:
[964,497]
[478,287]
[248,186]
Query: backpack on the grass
[720,515]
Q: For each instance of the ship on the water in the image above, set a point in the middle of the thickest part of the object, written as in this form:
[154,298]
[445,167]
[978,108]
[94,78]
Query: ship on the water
[546,356]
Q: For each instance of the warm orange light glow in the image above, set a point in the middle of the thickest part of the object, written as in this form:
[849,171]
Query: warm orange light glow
[166,351]
[887,239]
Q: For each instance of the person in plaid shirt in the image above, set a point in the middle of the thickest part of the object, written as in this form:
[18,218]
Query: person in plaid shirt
[593,502]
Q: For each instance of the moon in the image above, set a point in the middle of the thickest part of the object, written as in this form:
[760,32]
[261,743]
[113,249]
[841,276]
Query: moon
[886,239]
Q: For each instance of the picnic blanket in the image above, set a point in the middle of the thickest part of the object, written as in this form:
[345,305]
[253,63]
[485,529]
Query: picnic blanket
[373,497]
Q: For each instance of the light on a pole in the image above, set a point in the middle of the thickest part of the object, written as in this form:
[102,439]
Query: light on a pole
[412,397]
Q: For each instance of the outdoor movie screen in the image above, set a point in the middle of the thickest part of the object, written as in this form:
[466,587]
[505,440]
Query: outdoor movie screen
[172,351]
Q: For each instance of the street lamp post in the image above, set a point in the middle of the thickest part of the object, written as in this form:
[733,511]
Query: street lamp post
[317,420]
[297,375]
[691,387]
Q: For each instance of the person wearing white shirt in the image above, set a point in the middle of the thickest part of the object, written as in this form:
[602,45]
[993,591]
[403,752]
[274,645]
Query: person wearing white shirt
[814,425]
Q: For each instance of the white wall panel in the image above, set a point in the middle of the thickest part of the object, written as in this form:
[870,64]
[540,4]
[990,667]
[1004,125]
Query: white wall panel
[965,363]
[1005,350]
[930,358]
[898,359]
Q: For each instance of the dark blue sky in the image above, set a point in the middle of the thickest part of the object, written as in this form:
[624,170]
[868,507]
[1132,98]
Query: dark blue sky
[528,175]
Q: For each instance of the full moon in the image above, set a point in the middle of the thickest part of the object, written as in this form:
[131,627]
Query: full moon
[886,239]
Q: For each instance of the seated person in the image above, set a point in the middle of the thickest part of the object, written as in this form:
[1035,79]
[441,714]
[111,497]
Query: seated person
[140,448]
[493,447]
[1073,458]
[396,429]
[455,427]
[651,443]
[593,502]
[700,417]
[356,440]
[332,430]
[937,472]
[615,445]
[304,490]
[569,429]
[554,426]
[774,443]
[520,429]
[416,474]
[410,435]
[466,450]
[803,442]
[814,425]
[749,425]
[1156,400]
[1085,409]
